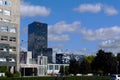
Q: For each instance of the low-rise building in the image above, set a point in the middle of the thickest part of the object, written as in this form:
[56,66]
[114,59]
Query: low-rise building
[37,67]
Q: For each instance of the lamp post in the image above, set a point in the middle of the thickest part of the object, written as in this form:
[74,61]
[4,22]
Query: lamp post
[117,64]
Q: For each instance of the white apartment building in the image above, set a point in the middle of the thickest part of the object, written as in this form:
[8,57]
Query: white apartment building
[9,33]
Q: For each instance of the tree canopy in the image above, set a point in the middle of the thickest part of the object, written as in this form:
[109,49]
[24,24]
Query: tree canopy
[104,62]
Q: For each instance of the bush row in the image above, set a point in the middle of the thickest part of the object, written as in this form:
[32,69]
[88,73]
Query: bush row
[60,78]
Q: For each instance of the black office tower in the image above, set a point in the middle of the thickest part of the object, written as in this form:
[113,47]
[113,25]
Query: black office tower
[37,40]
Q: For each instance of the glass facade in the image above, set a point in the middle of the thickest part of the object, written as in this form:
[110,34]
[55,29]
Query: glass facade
[45,51]
[59,58]
[42,70]
[37,40]
[37,34]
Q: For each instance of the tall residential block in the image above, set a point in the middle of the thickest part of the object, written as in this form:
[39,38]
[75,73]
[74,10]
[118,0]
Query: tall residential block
[38,40]
[9,33]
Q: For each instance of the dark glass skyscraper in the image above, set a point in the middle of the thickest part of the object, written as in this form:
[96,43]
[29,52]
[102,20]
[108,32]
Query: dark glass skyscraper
[37,35]
[37,40]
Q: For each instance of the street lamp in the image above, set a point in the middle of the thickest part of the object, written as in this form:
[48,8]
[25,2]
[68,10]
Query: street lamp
[117,64]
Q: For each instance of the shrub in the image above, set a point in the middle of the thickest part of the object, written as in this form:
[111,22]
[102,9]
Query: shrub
[8,74]
[16,74]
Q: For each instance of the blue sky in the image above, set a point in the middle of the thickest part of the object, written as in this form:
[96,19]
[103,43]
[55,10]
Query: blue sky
[76,25]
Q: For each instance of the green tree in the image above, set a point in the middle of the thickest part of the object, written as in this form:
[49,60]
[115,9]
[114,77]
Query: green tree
[61,70]
[3,68]
[16,74]
[8,74]
[104,62]
[85,67]
[89,59]
[118,62]
[74,67]
[66,70]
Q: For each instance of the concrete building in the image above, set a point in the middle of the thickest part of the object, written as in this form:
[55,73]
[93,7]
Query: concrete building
[38,66]
[9,33]
[37,40]
[33,67]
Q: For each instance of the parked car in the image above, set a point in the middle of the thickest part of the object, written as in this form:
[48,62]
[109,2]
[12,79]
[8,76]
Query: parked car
[115,77]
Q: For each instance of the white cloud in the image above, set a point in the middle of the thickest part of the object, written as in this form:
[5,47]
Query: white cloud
[101,34]
[107,44]
[30,10]
[60,31]
[53,37]
[95,8]
[111,45]
[58,46]
[110,10]
[62,27]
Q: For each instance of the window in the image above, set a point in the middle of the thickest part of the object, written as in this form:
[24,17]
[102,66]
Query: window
[11,60]
[56,67]
[3,49]
[7,3]
[1,11]
[13,39]
[7,20]
[1,2]
[4,28]
[2,59]
[13,30]
[12,49]
[1,19]
[7,12]
[50,67]
[4,38]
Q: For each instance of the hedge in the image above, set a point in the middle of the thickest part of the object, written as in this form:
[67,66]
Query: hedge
[60,78]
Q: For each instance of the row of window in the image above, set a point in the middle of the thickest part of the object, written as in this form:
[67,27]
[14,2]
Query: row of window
[6,29]
[11,49]
[5,20]
[7,60]
[56,67]
[4,2]
[6,12]
[5,38]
